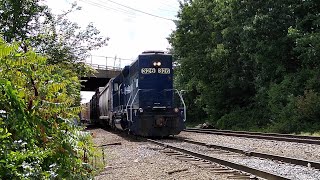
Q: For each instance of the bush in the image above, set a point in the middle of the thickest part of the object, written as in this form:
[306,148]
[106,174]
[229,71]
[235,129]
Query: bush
[243,119]
[38,106]
[301,114]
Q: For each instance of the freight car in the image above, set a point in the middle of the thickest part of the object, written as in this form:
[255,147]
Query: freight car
[94,107]
[141,100]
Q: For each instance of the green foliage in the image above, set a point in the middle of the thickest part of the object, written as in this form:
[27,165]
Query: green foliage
[17,18]
[242,118]
[38,109]
[248,63]
[40,96]
[60,40]
[65,42]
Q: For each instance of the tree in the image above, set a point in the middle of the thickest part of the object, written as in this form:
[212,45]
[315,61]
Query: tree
[17,18]
[220,71]
[250,61]
[55,36]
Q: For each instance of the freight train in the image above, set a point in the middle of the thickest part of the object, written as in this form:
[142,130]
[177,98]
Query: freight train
[141,99]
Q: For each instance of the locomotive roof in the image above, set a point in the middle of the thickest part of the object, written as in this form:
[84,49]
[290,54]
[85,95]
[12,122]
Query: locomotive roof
[154,52]
[150,52]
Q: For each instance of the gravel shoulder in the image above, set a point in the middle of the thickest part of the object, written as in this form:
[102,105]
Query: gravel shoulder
[142,160]
[290,149]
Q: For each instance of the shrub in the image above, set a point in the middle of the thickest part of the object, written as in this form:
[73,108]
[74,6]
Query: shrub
[38,105]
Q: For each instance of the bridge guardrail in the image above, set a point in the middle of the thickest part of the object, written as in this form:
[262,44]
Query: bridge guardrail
[104,67]
[115,62]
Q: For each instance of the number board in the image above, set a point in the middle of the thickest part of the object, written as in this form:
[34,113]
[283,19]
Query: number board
[148,70]
[164,70]
[153,70]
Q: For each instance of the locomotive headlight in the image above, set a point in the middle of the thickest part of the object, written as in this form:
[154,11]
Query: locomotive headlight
[176,110]
[157,64]
[140,110]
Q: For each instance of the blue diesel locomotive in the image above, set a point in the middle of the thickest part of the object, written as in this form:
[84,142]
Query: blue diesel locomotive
[141,99]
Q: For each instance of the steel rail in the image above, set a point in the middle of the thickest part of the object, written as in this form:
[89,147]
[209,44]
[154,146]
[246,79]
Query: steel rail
[295,161]
[260,133]
[240,167]
[257,135]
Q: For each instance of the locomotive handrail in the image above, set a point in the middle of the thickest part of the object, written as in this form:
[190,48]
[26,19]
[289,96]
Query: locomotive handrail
[184,105]
[133,102]
[127,106]
[131,105]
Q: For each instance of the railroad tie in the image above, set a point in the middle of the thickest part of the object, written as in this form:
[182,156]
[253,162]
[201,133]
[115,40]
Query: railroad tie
[109,144]
[229,153]
[180,155]
[222,152]
[172,153]
[218,169]
[167,151]
[188,158]
[225,171]
[237,155]
[206,165]
[201,162]
[239,177]
[178,170]
[185,159]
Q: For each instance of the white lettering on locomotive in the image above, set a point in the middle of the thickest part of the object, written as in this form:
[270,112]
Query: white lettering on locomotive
[164,70]
[148,70]
[128,89]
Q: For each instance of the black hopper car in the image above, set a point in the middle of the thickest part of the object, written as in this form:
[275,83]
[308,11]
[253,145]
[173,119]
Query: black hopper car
[141,99]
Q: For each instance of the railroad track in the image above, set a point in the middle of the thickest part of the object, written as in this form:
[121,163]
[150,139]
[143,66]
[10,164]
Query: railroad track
[295,161]
[258,135]
[225,160]
[236,169]
[216,165]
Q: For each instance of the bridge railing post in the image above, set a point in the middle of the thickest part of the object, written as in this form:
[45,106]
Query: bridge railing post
[114,62]
[106,63]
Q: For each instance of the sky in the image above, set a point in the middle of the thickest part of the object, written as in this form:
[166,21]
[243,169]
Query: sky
[130,31]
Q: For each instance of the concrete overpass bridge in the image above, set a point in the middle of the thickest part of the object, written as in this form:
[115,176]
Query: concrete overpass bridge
[104,73]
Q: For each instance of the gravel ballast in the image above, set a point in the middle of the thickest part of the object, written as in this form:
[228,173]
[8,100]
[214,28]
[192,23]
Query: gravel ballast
[143,160]
[275,167]
[289,149]
[134,159]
